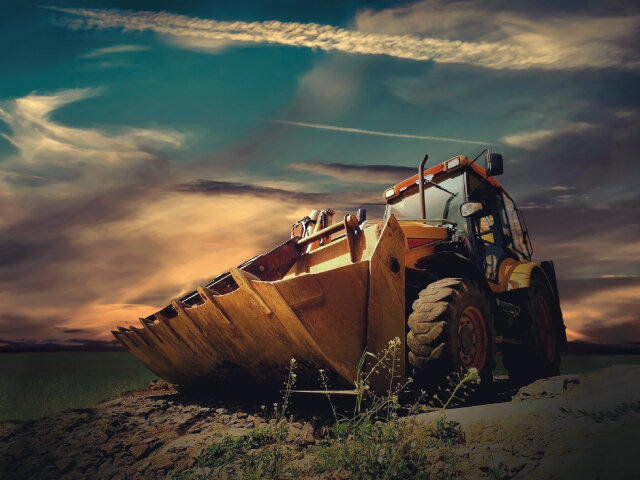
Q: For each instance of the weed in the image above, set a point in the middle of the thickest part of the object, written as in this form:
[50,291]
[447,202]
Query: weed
[447,432]
[374,441]
[457,391]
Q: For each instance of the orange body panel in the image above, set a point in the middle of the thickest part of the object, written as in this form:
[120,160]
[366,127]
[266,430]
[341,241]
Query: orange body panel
[414,229]
[410,184]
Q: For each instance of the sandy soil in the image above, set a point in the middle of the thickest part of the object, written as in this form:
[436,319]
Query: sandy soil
[567,427]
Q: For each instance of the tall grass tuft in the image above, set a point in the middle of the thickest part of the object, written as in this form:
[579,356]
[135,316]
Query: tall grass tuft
[378,439]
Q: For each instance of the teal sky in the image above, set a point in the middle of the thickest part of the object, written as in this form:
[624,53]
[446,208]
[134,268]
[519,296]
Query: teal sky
[147,137]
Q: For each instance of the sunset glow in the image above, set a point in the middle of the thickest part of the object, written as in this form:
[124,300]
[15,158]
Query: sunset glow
[144,152]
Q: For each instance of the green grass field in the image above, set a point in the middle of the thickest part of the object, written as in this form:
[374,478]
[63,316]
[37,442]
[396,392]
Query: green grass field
[573,364]
[33,385]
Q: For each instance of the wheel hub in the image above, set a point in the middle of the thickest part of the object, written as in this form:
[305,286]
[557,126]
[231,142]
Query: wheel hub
[472,338]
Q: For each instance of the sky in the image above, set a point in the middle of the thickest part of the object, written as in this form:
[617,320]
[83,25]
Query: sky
[142,151]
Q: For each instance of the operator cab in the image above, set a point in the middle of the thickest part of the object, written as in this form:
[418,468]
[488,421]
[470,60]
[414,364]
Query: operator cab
[485,225]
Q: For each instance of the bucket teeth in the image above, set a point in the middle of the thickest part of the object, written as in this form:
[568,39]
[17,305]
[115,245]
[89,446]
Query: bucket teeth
[257,328]
[217,316]
[180,307]
[243,279]
[140,334]
[148,326]
[206,294]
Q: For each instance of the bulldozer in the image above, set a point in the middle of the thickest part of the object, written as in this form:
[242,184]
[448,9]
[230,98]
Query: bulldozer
[447,270]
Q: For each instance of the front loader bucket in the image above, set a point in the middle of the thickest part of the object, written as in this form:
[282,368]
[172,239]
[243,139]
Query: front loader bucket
[323,308]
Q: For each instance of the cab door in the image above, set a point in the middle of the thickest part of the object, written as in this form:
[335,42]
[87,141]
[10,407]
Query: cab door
[491,231]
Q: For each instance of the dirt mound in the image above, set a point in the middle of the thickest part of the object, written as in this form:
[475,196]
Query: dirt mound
[566,427]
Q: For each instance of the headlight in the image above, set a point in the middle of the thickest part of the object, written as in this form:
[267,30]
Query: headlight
[453,163]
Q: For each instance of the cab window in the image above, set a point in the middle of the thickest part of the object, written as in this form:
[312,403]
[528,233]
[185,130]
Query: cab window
[440,205]
[514,224]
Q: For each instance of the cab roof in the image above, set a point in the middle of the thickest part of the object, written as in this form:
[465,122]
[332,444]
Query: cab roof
[450,165]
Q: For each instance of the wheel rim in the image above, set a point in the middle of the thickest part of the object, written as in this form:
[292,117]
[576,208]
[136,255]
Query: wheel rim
[545,328]
[472,338]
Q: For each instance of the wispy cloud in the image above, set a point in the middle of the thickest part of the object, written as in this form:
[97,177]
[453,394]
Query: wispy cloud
[378,174]
[40,139]
[100,52]
[562,37]
[520,52]
[375,132]
[531,140]
[223,187]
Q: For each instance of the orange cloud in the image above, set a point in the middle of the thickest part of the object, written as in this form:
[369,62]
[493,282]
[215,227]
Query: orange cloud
[191,239]
[598,317]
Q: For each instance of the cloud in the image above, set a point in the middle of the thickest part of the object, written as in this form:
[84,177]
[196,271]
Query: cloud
[532,140]
[74,330]
[100,52]
[525,44]
[342,201]
[101,229]
[64,189]
[374,132]
[221,187]
[40,140]
[195,42]
[523,37]
[609,313]
[378,174]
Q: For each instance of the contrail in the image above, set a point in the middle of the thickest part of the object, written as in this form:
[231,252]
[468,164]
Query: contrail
[511,55]
[375,132]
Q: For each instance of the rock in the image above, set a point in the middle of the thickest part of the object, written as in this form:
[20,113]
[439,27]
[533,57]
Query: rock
[107,469]
[242,415]
[65,464]
[546,387]
[221,411]
[142,466]
[159,385]
[306,435]
[141,450]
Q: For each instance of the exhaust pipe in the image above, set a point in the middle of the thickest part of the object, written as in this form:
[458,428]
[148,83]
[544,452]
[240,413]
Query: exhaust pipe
[423,207]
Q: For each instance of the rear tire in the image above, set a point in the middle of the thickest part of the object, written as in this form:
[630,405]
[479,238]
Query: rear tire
[539,354]
[450,328]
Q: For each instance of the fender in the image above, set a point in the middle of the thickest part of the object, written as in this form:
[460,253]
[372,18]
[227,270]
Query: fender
[452,264]
[517,275]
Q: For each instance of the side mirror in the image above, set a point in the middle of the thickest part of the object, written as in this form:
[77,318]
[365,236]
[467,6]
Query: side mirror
[493,165]
[469,208]
[362,215]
